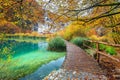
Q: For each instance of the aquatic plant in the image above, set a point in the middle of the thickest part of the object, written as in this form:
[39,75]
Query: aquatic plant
[57,44]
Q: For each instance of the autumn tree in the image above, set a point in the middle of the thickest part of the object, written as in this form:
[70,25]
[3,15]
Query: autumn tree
[106,14]
[23,13]
[97,13]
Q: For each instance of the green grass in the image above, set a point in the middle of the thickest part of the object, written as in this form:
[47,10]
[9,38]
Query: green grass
[78,41]
[25,64]
[57,44]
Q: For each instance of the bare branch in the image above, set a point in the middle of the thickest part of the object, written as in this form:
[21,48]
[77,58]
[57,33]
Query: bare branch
[97,5]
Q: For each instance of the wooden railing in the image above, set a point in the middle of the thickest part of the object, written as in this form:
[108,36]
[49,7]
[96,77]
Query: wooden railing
[97,50]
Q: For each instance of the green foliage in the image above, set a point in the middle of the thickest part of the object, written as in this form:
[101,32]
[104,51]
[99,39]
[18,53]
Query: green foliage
[102,46]
[78,41]
[6,52]
[111,50]
[94,45]
[57,44]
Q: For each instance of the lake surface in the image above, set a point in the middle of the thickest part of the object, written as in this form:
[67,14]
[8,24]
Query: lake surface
[29,59]
[21,48]
[44,70]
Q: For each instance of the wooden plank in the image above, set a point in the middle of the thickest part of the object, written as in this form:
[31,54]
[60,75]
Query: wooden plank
[89,47]
[109,56]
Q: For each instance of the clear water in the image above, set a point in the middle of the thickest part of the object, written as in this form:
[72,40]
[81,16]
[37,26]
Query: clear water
[27,57]
[21,48]
[44,70]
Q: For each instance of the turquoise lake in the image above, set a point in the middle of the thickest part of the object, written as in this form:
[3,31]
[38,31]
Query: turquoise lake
[28,60]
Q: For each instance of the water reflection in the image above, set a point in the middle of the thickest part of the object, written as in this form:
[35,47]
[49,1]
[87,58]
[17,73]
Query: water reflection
[42,45]
[20,48]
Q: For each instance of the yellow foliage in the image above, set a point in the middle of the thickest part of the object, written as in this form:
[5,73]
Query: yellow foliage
[60,33]
[48,39]
[96,38]
[109,38]
[73,30]
[34,34]
[2,22]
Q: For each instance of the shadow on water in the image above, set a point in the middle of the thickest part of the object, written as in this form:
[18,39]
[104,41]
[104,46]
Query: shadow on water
[45,70]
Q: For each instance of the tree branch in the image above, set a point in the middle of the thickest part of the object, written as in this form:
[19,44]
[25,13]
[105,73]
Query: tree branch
[97,5]
[98,17]
[112,4]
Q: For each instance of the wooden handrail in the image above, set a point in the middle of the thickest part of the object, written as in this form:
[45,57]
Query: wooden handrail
[101,52]
[109,56]
[115,45]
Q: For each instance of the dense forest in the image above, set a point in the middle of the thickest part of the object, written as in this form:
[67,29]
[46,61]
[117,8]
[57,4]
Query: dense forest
[94,17]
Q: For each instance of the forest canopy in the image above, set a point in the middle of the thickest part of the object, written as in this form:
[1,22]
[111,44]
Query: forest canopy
[102,15]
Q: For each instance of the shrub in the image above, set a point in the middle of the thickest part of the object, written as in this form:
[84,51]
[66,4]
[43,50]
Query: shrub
[93,45]
[78,41]
[102,47]
[111,50]
[57,44]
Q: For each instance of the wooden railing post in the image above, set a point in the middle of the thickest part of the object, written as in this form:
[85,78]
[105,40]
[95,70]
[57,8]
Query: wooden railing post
[97,52]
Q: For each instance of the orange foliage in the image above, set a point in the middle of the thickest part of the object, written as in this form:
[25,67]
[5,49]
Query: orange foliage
[91,32]
[8,27]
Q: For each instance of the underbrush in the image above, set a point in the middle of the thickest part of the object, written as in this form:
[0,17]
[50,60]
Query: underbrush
[57,44]
[78,41]
[109,49]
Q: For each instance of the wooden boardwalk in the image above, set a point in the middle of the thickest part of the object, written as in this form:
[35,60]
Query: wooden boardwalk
[78,65]
[78,60]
